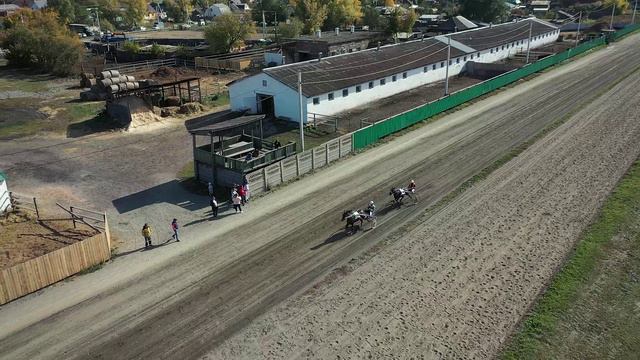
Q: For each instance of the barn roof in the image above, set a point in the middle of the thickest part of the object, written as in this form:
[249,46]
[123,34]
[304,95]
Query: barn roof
[337,72]
[488,37]
[342,71]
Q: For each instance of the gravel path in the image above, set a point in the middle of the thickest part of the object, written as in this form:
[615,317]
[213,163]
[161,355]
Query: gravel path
[456,285]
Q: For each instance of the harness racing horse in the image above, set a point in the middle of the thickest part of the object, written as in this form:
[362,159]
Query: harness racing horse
[400,193]
[352,217]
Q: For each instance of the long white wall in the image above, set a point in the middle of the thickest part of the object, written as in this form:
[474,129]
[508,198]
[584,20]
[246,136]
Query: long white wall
[417,77]
[243,94]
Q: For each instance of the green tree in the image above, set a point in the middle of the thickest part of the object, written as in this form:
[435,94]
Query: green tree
[483,10]
[135,11]
[178,10]
[342,12]
[36,39]
[157,51]
[272,9]
[312,12]
[131,47]
[621,5]
[227,32]
[408,20]
[65,8]
[291,30]
[371,17]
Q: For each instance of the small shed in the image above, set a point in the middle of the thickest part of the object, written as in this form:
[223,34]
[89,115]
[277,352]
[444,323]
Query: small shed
[5,199]
[234,148]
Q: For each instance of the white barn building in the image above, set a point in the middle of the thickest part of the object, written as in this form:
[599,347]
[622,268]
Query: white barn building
[338,83]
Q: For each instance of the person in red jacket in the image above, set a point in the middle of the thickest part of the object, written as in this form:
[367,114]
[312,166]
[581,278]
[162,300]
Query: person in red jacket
[243,194]
[412,186]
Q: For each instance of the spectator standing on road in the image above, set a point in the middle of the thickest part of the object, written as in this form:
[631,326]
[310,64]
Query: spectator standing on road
[214,206]
[210,187]
[237,200]
[245,185]
[146,234]
[242,194]
[276,144]
[174,227]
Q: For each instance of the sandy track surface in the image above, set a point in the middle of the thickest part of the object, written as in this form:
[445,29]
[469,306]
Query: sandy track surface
[181,301]
[456,285]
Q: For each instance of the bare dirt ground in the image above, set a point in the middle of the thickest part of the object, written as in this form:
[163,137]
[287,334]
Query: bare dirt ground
[456,284]
[183,300]
[23,238]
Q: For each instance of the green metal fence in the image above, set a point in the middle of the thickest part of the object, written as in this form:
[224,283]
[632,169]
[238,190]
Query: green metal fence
[627,30]
[371,134]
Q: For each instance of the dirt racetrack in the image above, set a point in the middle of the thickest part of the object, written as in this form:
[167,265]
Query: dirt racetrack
[195,300]
[456,285]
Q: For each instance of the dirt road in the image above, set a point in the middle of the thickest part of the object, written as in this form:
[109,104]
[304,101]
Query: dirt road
[181,302]
[457,284]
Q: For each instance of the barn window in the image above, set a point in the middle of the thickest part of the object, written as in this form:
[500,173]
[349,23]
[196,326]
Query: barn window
[404,75]
[358,88]
[345,92]
[316,100]
[442,64]
[383,81]
[433,67]
[264,83]
[394,78]
[370,84]
[330,96]
[425,69]
[471,57]
[458,61]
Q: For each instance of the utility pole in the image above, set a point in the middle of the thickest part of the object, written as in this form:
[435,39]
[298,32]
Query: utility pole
[446,82]
[578,33]
[613,11]
[301,111]
[275,17]
[633,17]
[529,41]
[264,26]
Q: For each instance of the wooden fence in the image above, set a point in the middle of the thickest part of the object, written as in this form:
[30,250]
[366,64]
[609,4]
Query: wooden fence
[263,180]
[32,275]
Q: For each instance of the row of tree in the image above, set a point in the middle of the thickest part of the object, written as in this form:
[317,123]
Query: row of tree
[37,40]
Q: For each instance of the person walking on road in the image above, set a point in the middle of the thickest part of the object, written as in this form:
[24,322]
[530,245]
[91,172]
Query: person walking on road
[174,227]
[237,201]
[242,194]
[214,206]
[146,234]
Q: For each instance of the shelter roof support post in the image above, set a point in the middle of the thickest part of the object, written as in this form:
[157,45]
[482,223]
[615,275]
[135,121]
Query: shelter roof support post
[195,162]
[213,162]
[261,133]
[199,91]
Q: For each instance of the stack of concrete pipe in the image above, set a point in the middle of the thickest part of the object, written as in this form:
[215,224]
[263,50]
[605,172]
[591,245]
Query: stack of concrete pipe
[108,83]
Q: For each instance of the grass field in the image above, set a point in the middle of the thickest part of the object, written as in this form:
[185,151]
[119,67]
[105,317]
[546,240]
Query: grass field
[35,103]
[591,310]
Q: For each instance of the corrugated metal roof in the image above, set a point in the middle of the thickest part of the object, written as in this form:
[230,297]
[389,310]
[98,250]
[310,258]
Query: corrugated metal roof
[342,71]
[488,37]
[338,72]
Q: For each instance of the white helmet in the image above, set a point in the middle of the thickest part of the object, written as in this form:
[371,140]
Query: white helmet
[371,202]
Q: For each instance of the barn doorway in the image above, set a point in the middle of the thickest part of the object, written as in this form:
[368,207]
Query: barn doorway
[266,105]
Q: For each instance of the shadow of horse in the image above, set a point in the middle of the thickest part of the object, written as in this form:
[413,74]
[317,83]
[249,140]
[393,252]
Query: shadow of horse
[336,237]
